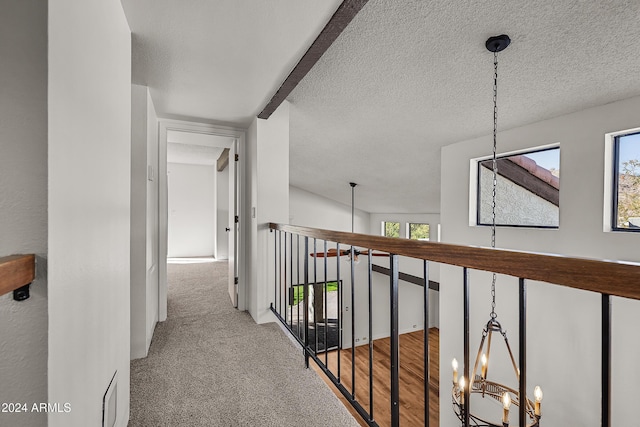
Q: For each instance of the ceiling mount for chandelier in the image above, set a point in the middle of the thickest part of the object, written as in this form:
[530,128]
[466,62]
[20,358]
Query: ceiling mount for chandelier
[479,384]
[347,252]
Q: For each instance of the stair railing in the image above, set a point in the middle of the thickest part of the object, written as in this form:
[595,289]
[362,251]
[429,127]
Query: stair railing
[607,278]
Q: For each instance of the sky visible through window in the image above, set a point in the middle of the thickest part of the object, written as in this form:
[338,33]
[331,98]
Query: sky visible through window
[629,148]
[548,159]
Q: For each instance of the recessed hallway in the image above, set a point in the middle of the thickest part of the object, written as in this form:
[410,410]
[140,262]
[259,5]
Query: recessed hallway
[211,365]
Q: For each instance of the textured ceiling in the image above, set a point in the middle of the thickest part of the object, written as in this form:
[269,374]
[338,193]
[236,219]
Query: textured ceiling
[219,60]
[406,78]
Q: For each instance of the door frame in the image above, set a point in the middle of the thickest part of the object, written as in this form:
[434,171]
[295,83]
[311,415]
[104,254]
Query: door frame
[166,125]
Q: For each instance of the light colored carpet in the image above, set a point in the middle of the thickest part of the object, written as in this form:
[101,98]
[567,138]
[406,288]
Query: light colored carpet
[211,365]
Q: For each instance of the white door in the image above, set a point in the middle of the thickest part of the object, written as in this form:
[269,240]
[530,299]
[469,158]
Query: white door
[234,228]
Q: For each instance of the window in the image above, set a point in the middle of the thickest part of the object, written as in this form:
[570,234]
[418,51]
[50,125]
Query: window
[626,181]
[391,229]
[527,190]
[418,231]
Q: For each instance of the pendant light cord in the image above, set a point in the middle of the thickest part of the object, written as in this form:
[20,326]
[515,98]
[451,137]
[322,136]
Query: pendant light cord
[353,208]
[495,177]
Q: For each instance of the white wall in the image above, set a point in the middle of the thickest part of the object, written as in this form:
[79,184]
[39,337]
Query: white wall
[564,325]
[251,231]
[267,180]
[144,220]
[153,193]
[310,210]
[192,210]
[89,208]
[414,266]
[222,206]
[23,203]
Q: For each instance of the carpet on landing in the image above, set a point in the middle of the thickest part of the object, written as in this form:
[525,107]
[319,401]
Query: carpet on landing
[212,365]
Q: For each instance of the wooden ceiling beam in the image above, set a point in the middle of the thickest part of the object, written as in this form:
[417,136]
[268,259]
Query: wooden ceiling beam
[338,22]
[223,160]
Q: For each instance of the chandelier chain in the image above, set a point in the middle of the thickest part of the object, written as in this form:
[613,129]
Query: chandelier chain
[495,177]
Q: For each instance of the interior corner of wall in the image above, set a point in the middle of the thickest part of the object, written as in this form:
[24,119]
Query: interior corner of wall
[266,317]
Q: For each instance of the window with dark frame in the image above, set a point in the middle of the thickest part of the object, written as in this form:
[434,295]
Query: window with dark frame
[626,183]
[527,193]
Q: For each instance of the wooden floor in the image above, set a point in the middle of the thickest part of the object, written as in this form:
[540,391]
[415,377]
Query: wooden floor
[411,378]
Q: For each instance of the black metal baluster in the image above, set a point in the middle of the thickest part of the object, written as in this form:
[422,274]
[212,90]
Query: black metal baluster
[298,283]
[369,261]
[353,324]
[395,345]
[280,274]
[339,307]
[466,407]
[292,288]
[606,360]
[427,376]
[315,287]
[523,351]
[326,311]
[306,301]
[275,268]
[284,284]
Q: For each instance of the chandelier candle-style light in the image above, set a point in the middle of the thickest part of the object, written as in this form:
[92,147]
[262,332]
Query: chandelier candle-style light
[479,385]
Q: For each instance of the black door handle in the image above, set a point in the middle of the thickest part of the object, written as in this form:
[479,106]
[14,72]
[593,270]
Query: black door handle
[227,229]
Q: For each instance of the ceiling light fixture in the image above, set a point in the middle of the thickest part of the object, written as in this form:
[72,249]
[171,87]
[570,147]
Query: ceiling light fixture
[356,252]
[480,385]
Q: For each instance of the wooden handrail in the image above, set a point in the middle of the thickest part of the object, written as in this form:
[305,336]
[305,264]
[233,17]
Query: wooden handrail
[608,277]
[16,271]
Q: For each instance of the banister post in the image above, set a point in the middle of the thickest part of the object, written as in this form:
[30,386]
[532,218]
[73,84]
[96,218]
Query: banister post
[466,406]
[352,254]
[427,376]
[340,290]
[395,345]
[306,301]
[606,360]
[370,283]
[522,395]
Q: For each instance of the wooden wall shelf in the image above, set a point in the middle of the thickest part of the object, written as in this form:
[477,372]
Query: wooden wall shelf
[16,271]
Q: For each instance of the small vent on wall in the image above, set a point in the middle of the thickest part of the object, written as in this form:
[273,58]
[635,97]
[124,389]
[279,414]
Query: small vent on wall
[109,403]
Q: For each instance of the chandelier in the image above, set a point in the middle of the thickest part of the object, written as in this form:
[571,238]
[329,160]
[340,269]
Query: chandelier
[479,385]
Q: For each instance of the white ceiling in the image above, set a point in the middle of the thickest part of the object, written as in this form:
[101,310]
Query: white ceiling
[195,138]
[195,148]
[219,60]
[192,154]
[403,80]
